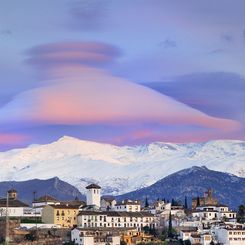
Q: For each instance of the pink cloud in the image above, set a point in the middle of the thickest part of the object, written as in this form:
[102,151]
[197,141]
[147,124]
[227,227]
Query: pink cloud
[95,97]
[79,94]
[88,53]
[10,139]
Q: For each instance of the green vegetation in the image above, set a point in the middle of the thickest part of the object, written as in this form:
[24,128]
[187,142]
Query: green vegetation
[31,221]
[241,214]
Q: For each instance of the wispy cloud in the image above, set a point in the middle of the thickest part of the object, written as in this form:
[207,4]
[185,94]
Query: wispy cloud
[5,33]
[168,43]
[217,51]
[88,15]
[227,38]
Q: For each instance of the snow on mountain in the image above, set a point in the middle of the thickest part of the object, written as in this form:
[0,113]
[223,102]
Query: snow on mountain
[118,169]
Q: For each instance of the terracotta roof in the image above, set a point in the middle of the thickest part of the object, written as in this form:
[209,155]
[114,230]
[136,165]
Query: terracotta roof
[189,229]
[93,186]
[73,202]
[12,203]
[64,206]
[46,198]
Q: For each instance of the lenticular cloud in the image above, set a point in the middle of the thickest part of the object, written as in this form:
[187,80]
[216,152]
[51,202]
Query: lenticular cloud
[78,92]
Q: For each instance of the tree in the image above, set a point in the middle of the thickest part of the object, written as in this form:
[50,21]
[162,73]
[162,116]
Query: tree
[186,205]
[146,203]
[241,214]
[173,202]
[187,242]
[146,229]
[198,201]
[170,227]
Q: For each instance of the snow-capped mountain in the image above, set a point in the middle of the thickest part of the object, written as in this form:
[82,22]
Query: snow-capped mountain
[118,169]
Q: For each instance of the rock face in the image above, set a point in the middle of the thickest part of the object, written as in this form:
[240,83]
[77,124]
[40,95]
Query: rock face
[54,187]
[117,169]
[228,189]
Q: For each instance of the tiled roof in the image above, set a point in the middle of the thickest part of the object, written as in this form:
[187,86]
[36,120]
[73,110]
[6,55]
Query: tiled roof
[12,203]
[64,206]
[46,198]
[93,186]
[73,202]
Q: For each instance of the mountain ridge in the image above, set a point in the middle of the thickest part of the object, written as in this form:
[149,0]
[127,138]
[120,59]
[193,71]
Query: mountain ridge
[53,186]
[127,168]
[229,189]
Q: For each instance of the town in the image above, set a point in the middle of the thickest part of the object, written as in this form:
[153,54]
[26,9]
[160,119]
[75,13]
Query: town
[102,220]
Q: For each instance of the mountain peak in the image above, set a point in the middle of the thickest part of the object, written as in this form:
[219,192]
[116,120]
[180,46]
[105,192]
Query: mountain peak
[68,138]
[125,168]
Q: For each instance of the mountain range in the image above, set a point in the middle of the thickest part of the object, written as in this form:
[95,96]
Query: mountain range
[228,189]
[192,182]
[118,169]
[52,187]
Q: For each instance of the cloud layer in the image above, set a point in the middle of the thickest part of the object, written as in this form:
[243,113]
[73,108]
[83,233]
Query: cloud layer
[79,93]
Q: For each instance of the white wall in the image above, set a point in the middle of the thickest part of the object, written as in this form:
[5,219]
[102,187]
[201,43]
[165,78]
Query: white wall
[127,208]
[12,211]
[93,197]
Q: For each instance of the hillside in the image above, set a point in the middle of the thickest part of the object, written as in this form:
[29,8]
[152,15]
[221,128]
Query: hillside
[228,189]
[54,187]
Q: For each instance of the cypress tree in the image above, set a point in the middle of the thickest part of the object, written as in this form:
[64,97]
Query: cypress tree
[198,201]
[170,227]
[146,202]
[186,205]
[173,202]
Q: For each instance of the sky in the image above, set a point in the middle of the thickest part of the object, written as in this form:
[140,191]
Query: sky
[123,72]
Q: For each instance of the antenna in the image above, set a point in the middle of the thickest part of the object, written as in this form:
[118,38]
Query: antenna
[7,220]
[35,209]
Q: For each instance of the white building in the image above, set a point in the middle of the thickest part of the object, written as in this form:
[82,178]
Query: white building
[107,203]
[97,237]
[45,200]
[230,236]
[93,195]
[115,219]
[186,232]
[39,203]
[16,208]
[128,206]
[214,212]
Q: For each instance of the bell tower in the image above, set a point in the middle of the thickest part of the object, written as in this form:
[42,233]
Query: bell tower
[12,194]
[93,195]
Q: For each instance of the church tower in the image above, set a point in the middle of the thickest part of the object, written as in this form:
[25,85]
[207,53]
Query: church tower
[93,195]
[12,194]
